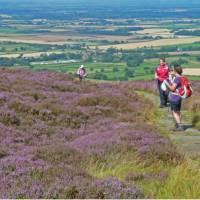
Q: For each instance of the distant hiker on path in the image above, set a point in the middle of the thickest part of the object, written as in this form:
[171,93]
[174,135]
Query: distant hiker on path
[81,72]
[161,74]
[175,98]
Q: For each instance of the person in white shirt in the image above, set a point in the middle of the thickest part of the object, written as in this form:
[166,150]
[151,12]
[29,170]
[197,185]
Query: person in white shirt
[81,72]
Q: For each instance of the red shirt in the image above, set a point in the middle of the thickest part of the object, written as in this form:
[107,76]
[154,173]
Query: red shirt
[162,72]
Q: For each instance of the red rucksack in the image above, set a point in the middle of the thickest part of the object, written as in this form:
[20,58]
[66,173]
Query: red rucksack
[185,90]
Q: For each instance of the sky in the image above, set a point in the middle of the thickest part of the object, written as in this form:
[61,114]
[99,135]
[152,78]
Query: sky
[13,5]
[112,2]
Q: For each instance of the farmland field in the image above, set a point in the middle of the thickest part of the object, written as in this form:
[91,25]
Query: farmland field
[26,55]
[154,43]
[192,72]
[35,39]
[165,33]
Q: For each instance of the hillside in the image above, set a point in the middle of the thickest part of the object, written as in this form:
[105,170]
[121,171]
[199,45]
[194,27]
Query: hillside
[63,139]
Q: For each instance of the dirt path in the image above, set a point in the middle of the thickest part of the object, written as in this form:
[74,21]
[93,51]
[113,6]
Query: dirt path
[188,140]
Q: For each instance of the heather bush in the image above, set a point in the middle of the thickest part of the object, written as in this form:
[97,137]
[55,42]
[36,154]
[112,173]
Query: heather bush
[35,94]
[152,147]
[63,139]
[60,154]
[149,86]
[96,144]
[74,183]
[20,107]
[3,153]
[9,118]
[116,189]
[66,88]
[47,131]
[3,96]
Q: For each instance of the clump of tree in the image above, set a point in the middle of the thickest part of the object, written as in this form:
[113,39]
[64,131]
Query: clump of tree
[119,31]
[198,58]
[180,61]
[115,69]
[128,73]
[135,61]
[99,76]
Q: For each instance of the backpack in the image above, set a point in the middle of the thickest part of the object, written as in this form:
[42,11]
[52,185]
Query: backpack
[185,90]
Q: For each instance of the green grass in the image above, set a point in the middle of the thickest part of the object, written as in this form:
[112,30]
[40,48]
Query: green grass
[121,164]
[182,180]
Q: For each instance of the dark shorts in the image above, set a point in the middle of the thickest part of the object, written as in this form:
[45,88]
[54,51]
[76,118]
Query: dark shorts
[175,106]
[80,77]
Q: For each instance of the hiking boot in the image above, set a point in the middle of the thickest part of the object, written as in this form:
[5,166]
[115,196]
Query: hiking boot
[178,127]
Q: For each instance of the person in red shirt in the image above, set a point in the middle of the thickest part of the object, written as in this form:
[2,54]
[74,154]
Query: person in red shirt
[162,73]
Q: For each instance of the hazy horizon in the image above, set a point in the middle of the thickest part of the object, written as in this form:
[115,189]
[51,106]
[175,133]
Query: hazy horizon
[101,9]
[137,3]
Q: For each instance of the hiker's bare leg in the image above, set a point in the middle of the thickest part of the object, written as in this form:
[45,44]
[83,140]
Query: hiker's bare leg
[177,116]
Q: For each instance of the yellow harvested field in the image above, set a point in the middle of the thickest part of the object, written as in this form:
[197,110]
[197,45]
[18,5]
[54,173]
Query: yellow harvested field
[31,41]
[165,33]
[153,31]
[154,43]
[192,71]
[59,39]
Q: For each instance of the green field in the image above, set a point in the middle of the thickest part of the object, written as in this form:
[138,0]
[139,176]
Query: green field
[12,47]
[92,68]
[144,71]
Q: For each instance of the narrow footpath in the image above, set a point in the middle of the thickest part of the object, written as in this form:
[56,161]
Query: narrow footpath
[188,141]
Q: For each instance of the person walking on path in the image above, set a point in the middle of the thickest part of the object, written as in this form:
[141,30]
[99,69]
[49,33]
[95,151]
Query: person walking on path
[175,98]
[161,74]
[81,72]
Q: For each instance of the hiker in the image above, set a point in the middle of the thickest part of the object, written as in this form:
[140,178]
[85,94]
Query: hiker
[81,72]
[175,98]
[161,74]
